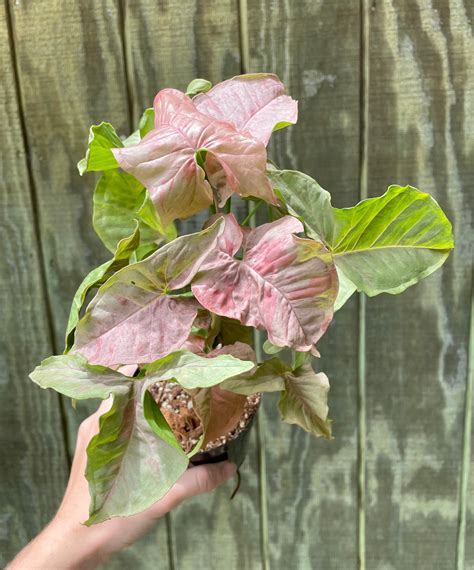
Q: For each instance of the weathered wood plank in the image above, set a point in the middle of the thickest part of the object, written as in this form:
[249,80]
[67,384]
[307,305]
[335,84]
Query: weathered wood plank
[311,484]
[168,45]
[466,511]
[421,90]
[32,450]
[72,75]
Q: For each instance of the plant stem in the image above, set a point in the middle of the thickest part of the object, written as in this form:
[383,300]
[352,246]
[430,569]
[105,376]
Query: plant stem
[252,213]
[228,206]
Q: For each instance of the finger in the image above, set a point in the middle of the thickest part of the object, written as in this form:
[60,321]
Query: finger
[90,426]
[203,478]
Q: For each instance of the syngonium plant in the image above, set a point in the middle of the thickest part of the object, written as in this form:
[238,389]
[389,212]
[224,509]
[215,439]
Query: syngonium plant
[182,309]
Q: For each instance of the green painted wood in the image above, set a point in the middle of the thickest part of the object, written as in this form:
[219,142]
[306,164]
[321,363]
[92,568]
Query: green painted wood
[298,505]
[168,45]
[465,557]
[311,484]
[72,75]
[420,99]
[33,458]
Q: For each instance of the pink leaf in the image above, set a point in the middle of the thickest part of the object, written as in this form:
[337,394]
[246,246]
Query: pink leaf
[284,284]
[220,410]
[133,318]
[165,162]
[256,104]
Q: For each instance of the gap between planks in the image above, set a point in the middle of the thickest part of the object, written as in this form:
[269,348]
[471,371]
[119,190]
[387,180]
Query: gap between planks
[363,194]
[466,448]
[262,469]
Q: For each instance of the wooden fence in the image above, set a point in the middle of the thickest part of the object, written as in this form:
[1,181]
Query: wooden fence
[386,94]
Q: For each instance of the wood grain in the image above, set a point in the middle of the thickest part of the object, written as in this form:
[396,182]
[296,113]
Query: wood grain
[72,75]
[168,45]
[80,63]
[311,484]
[421,91]
[32,449]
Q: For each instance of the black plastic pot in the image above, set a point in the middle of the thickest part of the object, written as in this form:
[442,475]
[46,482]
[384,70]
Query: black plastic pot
[234,450]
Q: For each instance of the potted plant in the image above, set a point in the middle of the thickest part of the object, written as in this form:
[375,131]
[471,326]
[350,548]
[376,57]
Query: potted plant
[168,333]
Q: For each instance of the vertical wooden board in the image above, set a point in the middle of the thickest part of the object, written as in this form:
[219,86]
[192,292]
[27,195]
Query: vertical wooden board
[33,458]
[311,484]
[168,44]
[72,75]
[421,94]
[469,466]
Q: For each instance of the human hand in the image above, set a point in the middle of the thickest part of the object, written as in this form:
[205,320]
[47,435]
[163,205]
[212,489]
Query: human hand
[67,544]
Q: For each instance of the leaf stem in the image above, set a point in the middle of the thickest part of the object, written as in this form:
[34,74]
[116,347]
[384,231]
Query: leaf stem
[252,213]
[228,206]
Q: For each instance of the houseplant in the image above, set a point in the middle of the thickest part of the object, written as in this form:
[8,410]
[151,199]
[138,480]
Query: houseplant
[178,312]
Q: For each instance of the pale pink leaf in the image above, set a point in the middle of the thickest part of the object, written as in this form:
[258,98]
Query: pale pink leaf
[256,104]
[220,410]
[133,318]
[284,284]
[165,162]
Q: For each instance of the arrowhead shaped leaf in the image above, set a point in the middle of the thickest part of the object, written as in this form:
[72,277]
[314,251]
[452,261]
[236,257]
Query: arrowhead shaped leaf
[74,377]
[165,159]
[382,244]
[304,401]
[255,104]
[276,286]
[193,371]
[129,467]
[99,156]
[97,277]
[133,318]
[268,377]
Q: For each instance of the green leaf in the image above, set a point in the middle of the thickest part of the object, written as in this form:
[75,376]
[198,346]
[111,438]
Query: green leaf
[99,156]
[97,277]
[300,358]
[346,289]
[304,401]
[149,215]
[270,348]
[134,459]
[382,244]
[145,125]
[118,197]
[74,377]
[193,371]
[147,122]
[156,420]
[232,331]
[129,466]
[269,377]
[198,86]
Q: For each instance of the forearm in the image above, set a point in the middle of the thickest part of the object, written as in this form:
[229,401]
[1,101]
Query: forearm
[61,546]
